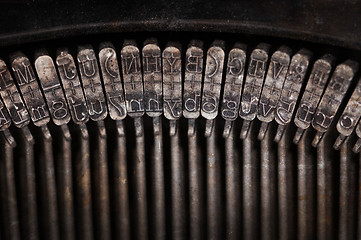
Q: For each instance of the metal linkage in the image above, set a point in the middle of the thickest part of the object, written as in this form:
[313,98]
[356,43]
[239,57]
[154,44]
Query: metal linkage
[253,86]
[212,84]
[115,177]
[272,88]
[233,86]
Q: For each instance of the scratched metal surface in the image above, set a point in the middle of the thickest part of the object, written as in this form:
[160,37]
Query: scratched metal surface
[125,174]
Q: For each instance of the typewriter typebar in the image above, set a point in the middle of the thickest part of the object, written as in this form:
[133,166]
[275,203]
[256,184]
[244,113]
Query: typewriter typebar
[180,135]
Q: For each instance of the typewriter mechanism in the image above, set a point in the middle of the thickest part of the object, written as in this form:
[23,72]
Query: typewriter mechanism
[200,120]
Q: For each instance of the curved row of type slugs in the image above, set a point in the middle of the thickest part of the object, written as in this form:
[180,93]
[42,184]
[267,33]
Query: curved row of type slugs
[150,81]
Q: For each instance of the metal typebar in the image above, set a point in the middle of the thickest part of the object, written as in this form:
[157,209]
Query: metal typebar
[233,188]
[27,182]
[100,184]
[140,187]
[83,204]
[325,193]
[8,199]
[48,194]
[213,187]
[158,191]
[196,192]
[347,194]
[268,189]
[121,196]
[64,173]
[250,187]
[178,188]
[286,190]
[306,189]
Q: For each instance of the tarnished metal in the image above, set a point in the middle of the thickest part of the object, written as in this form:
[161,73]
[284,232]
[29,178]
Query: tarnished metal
[306,205]
[139,180]
[268,189]
[5,120]
[9,208]
[347,196]
[100,183]
[157,211]
[197,218]
[65,191]
[214,188]
[325,193]
[291,90]
[172,84]
[47,195]
[272,87]
[29,88]
[233,85]
[286,191]
[122,177]
[251,93]
[178,189]
[121,186]
[132,77]
[152,77]
[232,187]
[350,116]
[51,87]
[193,76]
[92,86]
[12,98]
[28,207]
[112,81]
[212,83]
[312,95]
[82,188]
[72,88]
[332,98]
[250,188]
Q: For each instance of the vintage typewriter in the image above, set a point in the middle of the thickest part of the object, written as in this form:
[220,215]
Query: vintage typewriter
[180,120]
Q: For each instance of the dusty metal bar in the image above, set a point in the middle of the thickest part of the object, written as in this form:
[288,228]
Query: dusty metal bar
[9,138]
[157,212]
[233,189]
[250,190]
[153,95]
[121,186]
[196,192]
[178,189]
[262,130]
[213,188]
[83,188]
[324,193]
[245,129]
[140,188]
[279,133]
[209,127]
[305,195]
[268,189]
[65,186]
[48,198]
[10,221]
[101,185]
[347,194]
[286,199]
[227,128]
[28,204]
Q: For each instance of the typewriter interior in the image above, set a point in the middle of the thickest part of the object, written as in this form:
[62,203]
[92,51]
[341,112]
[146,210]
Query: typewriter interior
[179,135]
